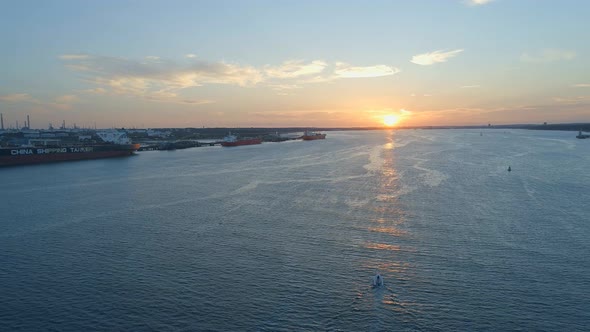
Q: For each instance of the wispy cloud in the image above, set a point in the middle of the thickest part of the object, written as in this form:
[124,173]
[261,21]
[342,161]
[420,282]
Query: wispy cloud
[66,99]
[293,69]
[157,79]
[195,102]
[78,67]
[120,72]
[96,91]
[61,102]
[571,100]
[284,89]
[15,97]
[475,86]
[161,79]
[345,70]
[581,85]
[477,2]
[170,97]
[548,55]
[73,56]
[427,59]
[305,117]
[64,103]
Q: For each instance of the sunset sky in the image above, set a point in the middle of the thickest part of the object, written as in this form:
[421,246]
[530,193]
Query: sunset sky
[294,63]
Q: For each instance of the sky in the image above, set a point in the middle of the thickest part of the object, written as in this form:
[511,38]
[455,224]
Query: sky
[150,64]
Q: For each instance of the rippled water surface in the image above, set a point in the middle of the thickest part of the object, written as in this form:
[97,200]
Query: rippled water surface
[286,236]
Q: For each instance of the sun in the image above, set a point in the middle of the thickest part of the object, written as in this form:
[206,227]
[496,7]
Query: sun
[390,120]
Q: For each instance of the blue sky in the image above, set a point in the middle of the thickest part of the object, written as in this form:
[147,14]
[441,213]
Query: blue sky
[296,63]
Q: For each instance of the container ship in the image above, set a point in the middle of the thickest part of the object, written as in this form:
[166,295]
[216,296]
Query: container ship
[114,144]
[310,136]
[233,140]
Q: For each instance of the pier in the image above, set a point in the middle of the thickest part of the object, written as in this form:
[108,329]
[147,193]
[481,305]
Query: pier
[175,145]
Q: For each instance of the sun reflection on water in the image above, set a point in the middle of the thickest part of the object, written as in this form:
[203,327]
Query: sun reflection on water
[389,230]
[386,238]
[389,268]
[402,307]
[382,246]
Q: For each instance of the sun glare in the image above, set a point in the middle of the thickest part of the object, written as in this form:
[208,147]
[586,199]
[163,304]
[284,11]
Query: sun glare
[390,120]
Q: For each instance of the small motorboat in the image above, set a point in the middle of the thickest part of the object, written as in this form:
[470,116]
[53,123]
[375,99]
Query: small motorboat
[377,280]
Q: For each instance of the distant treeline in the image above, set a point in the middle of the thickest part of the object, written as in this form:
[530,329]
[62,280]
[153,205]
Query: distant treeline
[562,126]
[218,133]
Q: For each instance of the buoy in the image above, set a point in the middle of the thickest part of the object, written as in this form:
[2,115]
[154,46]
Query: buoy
[509,169]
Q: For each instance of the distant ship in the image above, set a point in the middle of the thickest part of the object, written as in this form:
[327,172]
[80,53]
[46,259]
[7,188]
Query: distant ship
[310,136]
[115,144]
[582,136]
[233,140]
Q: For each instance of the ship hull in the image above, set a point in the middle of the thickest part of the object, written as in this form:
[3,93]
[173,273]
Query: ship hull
[242,142]
[313,137]
[39,155]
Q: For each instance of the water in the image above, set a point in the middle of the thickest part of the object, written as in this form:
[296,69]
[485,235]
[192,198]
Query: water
[286,236]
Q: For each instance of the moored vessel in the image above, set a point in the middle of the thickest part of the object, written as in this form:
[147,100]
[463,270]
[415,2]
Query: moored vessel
[310,136]
[114,144]
[233,140]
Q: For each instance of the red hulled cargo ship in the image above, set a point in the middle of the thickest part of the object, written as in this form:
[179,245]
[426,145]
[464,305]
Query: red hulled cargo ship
[310,136]
[233,140]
